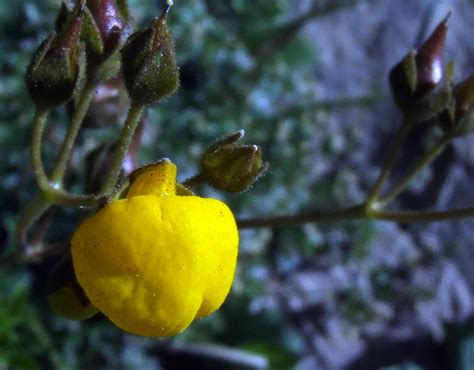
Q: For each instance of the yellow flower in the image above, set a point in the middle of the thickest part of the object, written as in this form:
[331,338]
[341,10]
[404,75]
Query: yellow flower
[155,261]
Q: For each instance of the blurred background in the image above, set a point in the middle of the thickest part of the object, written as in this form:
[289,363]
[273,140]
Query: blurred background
[307,81]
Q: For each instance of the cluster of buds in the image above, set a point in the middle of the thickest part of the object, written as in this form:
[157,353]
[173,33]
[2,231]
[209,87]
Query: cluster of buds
[422,87]
[90,43]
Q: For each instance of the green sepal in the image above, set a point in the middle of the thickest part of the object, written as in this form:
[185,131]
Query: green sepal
[91,34]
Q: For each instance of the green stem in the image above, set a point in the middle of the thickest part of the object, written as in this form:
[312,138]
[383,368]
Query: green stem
[194,181]
[434,152]
[423,216]
[83,103]
[39,122]
[355,212]
[358,212]
[122,146]
[51,195]
[390,161]
[29,216]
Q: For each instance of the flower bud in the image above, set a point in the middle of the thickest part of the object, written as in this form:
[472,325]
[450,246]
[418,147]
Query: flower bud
[62,17]
[56,68]
[402,79]
[65,295]
[104,24]
[149,63]
[429,60]
[421,71]
[232,167]
[460,118]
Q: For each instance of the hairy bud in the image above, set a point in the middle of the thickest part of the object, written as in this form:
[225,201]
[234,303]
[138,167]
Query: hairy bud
[232,167]
[149,63]
[56,68]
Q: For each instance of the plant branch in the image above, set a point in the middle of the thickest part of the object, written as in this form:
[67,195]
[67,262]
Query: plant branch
[39,122]
[423,216]
[83,103]
[122,146]
[434,152]
[358,212]
[389,162]
[348,213]
[29,216]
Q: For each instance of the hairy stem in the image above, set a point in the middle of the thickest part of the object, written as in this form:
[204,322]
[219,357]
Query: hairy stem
[83,103]
[39,122]
[122,146]
[194,181]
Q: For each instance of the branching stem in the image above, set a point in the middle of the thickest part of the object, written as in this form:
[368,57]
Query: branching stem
[390,161]
[434,152]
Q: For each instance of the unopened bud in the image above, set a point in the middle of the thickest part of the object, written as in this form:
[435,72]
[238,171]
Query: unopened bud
[429,60]
[402,80]
[459,120]
[149,63]
[65,296]
[421,71]
[104,23]
[232,167]
[62,17]
[57,66]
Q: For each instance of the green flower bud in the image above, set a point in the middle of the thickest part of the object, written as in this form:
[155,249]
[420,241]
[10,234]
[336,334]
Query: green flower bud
[57,66]
[149,63]
[65,296]
[232,167]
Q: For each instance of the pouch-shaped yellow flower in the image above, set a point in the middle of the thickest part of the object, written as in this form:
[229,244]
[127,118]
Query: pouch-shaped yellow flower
[155,261]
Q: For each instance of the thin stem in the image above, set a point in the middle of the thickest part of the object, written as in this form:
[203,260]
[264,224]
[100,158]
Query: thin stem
[83,103]
[52,195]
[39,122]
[358,212]
[348,213]
[194,181]
[121,149]
[41,203]
[389,162]
[29,216]
[434,152]
[423,216]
